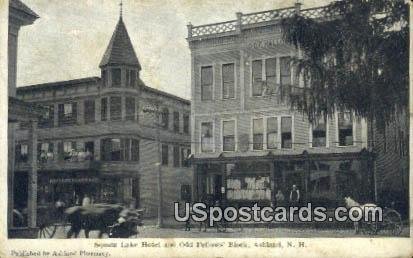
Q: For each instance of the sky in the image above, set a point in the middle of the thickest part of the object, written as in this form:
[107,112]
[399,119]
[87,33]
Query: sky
[69,39]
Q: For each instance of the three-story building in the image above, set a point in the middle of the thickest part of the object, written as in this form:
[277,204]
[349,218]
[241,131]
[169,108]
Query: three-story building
[248,144]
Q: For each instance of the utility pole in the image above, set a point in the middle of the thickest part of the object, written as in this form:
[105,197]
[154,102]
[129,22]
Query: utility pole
[154,109]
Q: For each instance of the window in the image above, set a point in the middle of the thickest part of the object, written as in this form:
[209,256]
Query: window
[104,78]
[104,109]
[285,70]
[177,159]
[165,157]
[270,76]
[45,151]
[130,78]
[89,110]
[116,77]
[319,133]
[165,118]
[115,108]
[345,129]
[206,137]
[186,194]
[228,81]
[258,134]
[206,83]
[135,150]
[22,153]
[286,132]
[90,150]
[186,123]
[176,122]
[185,156]
[67,113]
[66,150]
[257,88]
[47,119]
[272,133]
[228,135]
[130,108]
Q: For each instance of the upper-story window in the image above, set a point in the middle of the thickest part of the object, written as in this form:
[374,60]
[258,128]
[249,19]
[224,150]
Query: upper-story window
[67,113]
[22,153]
[272,133]
[177,159]
[258,134]
[345,129]
[104,78]
[45,151]
[47,119]
[228,81]
[206,82]
[270,76]
[89,111]
[115,108]
[116,77]
[185,156]
[206,137]
[176,121]
[120,149]
[228,135]
[104,109]
[165,155]
[165,118]
[130,78]
[319,133]
[67,150]
[186,123]
[257,85]
[286,132]
[130,108]
[285,70]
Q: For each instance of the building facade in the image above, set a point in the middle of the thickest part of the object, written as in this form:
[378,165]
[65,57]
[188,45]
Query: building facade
[97,139]
[248,144]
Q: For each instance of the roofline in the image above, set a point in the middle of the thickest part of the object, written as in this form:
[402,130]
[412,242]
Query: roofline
[186,101]
[58,84]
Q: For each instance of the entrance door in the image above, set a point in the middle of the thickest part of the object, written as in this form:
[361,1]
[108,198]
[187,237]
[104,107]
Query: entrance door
[135,191]
[217,187]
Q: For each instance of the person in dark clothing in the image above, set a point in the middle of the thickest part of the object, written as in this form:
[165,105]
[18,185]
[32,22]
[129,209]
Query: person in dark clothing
[294,196]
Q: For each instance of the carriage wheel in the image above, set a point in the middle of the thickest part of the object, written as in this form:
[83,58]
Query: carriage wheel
[392,222]
[47,231]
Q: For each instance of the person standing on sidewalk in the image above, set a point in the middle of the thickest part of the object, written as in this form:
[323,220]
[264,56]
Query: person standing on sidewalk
[294,196]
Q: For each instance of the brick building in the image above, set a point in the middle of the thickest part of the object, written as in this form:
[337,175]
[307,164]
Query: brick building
[247,143]
[96,140]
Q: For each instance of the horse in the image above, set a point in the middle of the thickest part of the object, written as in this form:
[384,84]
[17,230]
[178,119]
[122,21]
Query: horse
[352,203]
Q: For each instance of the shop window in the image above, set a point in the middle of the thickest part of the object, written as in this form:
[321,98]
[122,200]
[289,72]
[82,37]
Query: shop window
[186,123]
[130,108]
[345,129]
[104,109]
[45,151]
[286,132]
[228,135]
[89,109]
[176,121]
[319,133]
[22,153]
[285,70]
[228,81]
[116,77]
[272,133]
[270,76]
[165,118]
[67,113]
[47,119]
[177,159]
[115,108]
[258,134]
[186,193]
[135,150]
[206,83]
[257,85]
[165,154]
[206,137]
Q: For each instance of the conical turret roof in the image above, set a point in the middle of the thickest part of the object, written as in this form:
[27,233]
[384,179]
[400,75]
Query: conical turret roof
[120,50]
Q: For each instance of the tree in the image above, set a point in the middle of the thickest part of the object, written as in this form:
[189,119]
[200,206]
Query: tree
[355,58]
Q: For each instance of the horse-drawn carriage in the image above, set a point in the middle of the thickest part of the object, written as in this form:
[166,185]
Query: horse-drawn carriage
[113,219]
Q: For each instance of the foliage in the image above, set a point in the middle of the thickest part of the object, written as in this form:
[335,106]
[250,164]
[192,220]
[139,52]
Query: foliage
[355,59]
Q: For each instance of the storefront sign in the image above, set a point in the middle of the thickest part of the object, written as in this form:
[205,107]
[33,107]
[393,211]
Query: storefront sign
[73,180]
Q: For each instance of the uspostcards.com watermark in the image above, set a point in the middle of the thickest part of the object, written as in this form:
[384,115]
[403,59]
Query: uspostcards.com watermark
[201,212]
